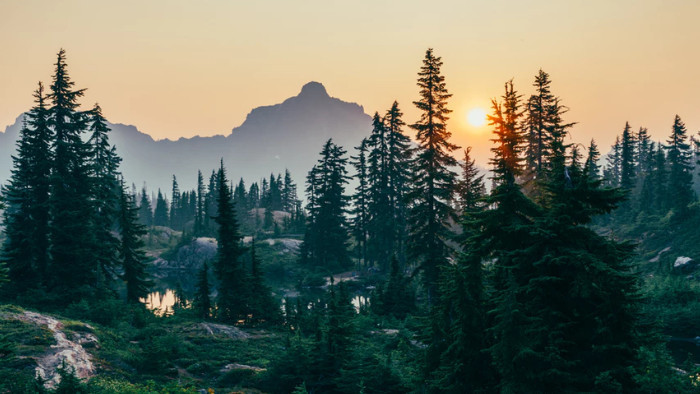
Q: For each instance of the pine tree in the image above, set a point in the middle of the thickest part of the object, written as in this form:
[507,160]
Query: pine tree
[360,199]
[289,193]
[210,206]
[131,254]
[231,301]
[627,156]
[145,209]
[263,308]
[680,179]
[659,180]
[398,169]
[26,212]
[74,271]
[580,292]
[325,241]
[470,188]
[591,168]
[538,125]
[160,215]
[202,300]
[175,220]
[433,182]
[611,174]
[381,230]
[199,215]
[644,152]
[106,191]
[504,230]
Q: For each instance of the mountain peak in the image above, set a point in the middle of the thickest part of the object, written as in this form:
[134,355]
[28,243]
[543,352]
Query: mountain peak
[313,89]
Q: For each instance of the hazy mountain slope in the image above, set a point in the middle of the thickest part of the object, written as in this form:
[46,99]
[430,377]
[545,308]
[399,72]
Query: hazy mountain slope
[272,138]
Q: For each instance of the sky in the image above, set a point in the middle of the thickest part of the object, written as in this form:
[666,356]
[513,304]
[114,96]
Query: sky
[177,68]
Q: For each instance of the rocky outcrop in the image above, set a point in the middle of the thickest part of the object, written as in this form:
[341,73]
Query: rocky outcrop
[69,352]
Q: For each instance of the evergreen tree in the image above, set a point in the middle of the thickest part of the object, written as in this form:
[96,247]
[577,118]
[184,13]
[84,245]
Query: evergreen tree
[381,230]
[325,241]
[433,181]
[263,308]
[199,215]
[175,219]
[289,193]
[644,152]
[505,229]
[627,159]
[538,124]
[360,211]
[131,254]
[660,181]
[470,188]
[395,297]
[210,207]
[680,178]
[202,301]
[398,169]
[160,215]
[145,209]
[591,168]
[231,301]
[73,241]
[105,172]
[611,174]
[26,211]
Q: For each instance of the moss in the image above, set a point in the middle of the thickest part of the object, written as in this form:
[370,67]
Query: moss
[28,338]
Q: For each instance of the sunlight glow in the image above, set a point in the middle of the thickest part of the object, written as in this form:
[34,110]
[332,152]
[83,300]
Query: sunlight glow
[476,117]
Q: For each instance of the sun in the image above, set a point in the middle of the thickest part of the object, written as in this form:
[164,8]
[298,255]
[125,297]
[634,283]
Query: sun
[476,117]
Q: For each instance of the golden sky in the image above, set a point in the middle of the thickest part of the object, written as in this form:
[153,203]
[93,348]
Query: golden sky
[179,68]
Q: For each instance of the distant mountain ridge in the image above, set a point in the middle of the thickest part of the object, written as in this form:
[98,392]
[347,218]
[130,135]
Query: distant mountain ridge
[272,138]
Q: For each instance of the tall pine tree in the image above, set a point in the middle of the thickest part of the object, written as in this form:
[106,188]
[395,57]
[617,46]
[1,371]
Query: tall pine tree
[74,271]
[229,269]
[433,181]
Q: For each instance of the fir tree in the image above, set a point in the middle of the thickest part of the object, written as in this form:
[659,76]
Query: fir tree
[145,210]
[26,211]
[160,215]
[504,230]
[263,308]
[538,124]
[611,174]
[289,193]
[231,301]
[591,168]
[73,242]
[398,169]
[105,172]
[175,221]
[325,241]
[433,182]
[627,157]
[199,215]
[131,254]
[360,220]
[659,181]
[381,229]
[680,179]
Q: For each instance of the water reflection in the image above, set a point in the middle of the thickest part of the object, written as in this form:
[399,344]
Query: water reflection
[161,303]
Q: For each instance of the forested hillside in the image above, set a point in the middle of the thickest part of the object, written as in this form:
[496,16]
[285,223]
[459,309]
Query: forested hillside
[392,266]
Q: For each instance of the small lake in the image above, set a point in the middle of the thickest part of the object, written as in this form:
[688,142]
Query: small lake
[161,303]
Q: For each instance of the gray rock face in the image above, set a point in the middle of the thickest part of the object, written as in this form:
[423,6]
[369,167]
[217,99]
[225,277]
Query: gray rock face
[72,352]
